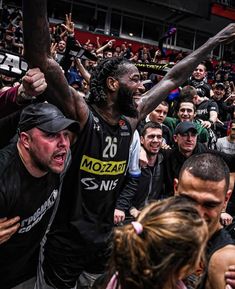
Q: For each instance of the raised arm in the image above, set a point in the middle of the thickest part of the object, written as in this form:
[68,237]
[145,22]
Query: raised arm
[85,74]
[182,70]
[37,54]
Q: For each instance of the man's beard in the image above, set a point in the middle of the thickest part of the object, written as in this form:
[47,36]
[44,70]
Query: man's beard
[39,164]
[125,102]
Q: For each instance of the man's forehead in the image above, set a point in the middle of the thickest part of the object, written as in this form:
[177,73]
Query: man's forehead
[151,130]
[186,105]
[196,187]
[161,107]
[200,67]
[219,88]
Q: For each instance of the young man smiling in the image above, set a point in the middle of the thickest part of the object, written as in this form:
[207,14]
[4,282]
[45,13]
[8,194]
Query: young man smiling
[187,112]
[150,186]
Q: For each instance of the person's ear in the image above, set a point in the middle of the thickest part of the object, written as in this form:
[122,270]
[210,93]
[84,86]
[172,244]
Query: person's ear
[175,138]
[141,139]
[112,83]
[25,139]
[176,185]
[227,197]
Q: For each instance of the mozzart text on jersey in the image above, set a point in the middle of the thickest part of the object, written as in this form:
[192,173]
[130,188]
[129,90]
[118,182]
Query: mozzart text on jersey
[98,167]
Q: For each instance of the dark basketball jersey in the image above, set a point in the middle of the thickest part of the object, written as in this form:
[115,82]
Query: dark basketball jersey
[90,190]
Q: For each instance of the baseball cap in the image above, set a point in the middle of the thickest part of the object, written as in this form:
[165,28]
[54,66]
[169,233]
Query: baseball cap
[220,84]
[185,126]
[46,117]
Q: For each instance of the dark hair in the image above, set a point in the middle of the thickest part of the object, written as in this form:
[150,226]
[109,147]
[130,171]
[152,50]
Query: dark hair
[187,92]
[207,167]
[204,64]
[183,101]
[173,238]
[113,66]
[150,124]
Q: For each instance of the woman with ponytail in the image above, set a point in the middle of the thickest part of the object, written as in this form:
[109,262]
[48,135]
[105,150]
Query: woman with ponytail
[161,248]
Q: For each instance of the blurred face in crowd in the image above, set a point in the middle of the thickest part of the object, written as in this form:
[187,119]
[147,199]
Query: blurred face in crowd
[200,72]
[115,54]
[61,46]
[7,80]
[118,49]
[226,76]
[159,114]
[85,86]
[186,142]
[232,132]
[144,75]
[109,54]
[92,63]
[130,88]
[90,47]
[186,111]
[210,197]
[218,77]
[152,140]
[145,57]
[219,92]
[197,99]
[47,151]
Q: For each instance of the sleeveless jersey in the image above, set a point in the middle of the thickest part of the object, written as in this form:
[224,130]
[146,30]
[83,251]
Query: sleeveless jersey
[92,184]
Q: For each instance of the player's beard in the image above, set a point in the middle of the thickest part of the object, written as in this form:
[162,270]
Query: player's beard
[125,102]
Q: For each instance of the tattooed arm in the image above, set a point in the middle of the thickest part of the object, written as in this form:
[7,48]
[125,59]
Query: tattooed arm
[182,70]
[37,54]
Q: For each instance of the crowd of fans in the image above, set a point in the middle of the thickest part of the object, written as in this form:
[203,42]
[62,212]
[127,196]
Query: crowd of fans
[197,117]
[219,75]
[11,39]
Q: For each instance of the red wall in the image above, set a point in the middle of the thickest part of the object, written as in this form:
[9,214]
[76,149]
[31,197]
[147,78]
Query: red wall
[223,11]
[83,36]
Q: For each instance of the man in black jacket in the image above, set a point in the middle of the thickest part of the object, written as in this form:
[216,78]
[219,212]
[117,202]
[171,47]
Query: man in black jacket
[185,137]
[150,185]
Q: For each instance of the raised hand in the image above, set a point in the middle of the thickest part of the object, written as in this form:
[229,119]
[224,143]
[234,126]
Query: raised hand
[69,25]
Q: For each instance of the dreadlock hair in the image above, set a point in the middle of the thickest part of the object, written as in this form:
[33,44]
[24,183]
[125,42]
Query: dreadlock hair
[172,241]
[115,67]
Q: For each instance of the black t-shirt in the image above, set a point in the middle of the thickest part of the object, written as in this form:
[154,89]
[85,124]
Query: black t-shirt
[205,107]
[202,87]
[33,200]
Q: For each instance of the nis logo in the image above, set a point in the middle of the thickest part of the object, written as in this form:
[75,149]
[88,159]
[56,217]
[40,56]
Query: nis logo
[105,185]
